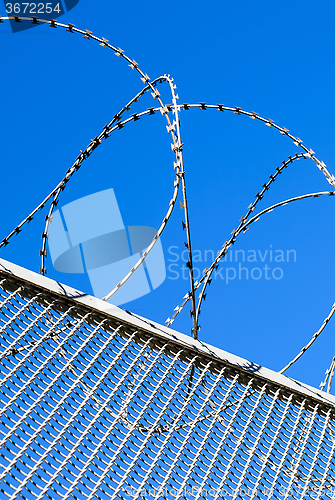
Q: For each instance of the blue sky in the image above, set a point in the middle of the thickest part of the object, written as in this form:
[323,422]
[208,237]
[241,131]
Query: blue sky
[59,90]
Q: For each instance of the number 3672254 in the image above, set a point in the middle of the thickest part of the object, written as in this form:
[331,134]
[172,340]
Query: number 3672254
[32,8]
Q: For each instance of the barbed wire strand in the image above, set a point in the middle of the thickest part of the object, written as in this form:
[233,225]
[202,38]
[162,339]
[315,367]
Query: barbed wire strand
[313,339]
[243,227]
[94,144]
[329,372]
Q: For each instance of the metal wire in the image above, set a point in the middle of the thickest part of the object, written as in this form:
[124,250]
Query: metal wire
[96,404]
[313,339]
[329,376]
[174,129]
[241,229]
[100,405]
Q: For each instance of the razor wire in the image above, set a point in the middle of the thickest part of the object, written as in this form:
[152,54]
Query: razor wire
[151,111]
[104,411]
[174,129]
[313,339]
[329,376]
[94,407]
[241,229]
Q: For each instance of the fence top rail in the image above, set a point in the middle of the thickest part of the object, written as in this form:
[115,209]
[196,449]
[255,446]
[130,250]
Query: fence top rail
[30,278]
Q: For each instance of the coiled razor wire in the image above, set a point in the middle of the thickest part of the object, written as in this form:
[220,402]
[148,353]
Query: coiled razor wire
[173,128]
[97,405]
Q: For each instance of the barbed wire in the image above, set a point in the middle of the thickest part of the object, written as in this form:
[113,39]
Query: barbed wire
[329,376]
[173,128]
[313,339]
[241,229]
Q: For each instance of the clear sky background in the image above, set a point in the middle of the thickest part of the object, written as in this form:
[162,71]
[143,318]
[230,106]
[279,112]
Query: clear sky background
[276,58]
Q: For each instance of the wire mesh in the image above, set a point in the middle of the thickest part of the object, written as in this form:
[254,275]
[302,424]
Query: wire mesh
[104,405]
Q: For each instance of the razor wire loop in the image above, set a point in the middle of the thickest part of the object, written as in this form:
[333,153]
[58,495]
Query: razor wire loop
[152,111]
[176,146]
[259,196]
